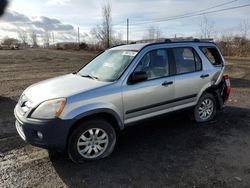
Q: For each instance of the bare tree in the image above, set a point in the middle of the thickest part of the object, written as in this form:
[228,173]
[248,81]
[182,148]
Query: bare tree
[225,43]
[236,44]
[103,32]
[206,27]
[153,33]
[22,35]
[117,39]
[46,39]
[158,33]
[9,41]
[33,38]
[244,28]
[84,37]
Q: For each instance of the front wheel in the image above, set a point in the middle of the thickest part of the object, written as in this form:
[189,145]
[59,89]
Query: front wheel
[92,140]
[205,109]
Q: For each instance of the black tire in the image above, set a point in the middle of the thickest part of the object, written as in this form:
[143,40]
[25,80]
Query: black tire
[84,127]
[55,154]
[205,97]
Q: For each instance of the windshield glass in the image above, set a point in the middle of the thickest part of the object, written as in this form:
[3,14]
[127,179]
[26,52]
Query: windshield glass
[109,65]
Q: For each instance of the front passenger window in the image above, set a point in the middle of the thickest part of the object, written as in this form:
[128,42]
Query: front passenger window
[155,64]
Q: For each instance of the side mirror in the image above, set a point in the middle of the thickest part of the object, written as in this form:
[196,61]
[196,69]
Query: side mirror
[138,77]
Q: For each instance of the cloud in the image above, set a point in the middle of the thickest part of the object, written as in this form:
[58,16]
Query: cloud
[57,2]
[13,22]
[45,23]
[51,24]
[88,14]
[15,17]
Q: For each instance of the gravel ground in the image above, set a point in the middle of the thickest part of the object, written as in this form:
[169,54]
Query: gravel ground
[167,152]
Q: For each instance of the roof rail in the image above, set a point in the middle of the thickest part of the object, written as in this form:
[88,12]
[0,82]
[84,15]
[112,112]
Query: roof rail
[196,40]
[168,40]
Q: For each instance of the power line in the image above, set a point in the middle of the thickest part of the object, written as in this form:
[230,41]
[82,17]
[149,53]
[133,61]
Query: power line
[186,14]
[199,14]
[209,8]
[119,23]
[195,12]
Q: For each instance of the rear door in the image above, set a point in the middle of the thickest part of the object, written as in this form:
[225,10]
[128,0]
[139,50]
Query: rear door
[189,78]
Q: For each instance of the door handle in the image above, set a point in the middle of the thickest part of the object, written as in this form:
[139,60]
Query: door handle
[204,75]
[166,83]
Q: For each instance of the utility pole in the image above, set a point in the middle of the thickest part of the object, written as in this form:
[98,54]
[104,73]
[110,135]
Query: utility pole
[53,37]
[78,36]
[127,30]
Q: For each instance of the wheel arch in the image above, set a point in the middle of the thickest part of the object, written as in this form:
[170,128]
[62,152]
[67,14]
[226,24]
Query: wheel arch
[106,114]
[215,91]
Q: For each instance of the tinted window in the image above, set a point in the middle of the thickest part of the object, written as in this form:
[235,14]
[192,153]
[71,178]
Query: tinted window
[186,60]
[155,64]
[198,62]
[212,54]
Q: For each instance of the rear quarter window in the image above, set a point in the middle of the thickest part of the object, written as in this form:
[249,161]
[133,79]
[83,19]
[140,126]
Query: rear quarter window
[212,55]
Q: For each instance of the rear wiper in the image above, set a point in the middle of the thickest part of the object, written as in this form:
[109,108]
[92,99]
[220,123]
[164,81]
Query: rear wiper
[90,76]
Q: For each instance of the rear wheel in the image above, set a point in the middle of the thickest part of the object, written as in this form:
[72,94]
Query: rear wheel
[92,140]
[205,109]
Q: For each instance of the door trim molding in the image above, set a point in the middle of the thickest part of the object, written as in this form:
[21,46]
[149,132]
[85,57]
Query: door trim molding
[160,104]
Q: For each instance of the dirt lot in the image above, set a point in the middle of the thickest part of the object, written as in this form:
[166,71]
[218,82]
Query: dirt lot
[168,152]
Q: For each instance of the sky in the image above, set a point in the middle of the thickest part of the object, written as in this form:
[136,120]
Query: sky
[63,17]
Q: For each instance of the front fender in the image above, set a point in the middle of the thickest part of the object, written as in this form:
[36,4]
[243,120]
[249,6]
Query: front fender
[95,108]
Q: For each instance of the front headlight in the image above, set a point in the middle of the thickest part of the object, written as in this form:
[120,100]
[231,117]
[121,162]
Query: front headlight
[49,109]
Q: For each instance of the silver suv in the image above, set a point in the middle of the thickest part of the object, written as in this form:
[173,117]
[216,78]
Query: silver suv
[82,112]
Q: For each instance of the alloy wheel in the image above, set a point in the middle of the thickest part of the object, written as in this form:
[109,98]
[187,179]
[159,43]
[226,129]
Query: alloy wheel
[206,109]
[92,143]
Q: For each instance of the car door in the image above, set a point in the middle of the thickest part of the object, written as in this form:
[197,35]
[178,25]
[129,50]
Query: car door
[189,78]
[150,97]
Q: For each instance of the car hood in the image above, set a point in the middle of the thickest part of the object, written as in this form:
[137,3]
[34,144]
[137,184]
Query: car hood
[62,86]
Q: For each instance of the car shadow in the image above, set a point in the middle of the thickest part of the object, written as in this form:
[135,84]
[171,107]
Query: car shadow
[9,138]
[239,83]
[155,153]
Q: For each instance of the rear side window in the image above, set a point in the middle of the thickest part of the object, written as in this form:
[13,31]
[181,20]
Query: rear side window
[212,55]
[186,60]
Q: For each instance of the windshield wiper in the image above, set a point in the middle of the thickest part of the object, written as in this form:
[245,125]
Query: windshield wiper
[90,76]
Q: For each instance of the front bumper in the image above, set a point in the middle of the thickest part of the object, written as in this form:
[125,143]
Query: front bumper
[54,132]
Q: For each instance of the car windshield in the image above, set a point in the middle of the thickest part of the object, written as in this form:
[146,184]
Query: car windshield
[109,65]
